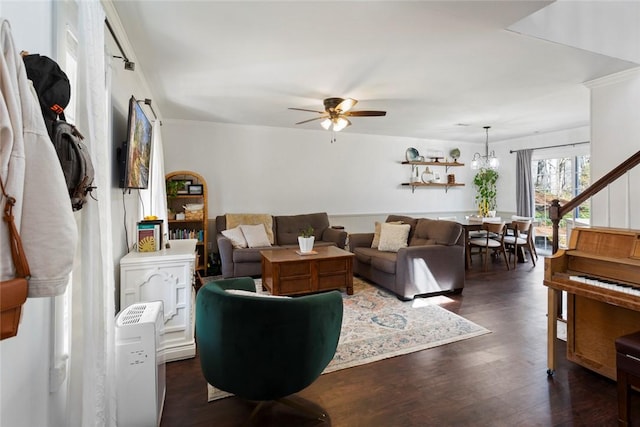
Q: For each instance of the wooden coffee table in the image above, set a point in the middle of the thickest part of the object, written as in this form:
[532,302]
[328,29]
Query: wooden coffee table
[285,272]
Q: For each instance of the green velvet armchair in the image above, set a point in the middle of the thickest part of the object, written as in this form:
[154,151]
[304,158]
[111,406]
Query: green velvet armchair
[262,348]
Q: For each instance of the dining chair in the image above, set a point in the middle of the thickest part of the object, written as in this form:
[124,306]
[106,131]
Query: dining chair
[531,234]
[473,234]
[488,245]
[520,239]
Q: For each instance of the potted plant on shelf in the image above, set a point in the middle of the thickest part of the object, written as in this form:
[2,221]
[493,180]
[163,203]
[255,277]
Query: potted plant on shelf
[486,193]
[305,239]
[173,187]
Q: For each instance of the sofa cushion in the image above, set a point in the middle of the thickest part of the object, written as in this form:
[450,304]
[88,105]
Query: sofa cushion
[237,238]
[393,237]
[234,220]
[363,254]
[255,235]
[376,233]
[247,255]
[385,261]
[404,220]
[416,241]
[288,226]
[430,231]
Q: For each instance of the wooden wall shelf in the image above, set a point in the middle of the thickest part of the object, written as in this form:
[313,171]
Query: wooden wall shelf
[445,185]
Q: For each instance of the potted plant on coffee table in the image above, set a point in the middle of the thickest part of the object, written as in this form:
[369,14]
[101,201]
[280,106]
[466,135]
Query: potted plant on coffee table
[305,239]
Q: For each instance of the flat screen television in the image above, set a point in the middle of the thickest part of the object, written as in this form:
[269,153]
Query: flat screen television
[135,156]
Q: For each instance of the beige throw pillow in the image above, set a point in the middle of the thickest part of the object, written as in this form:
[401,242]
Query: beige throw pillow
[234,220]
[376,233]
[237,238]
[393,237]
[255,235]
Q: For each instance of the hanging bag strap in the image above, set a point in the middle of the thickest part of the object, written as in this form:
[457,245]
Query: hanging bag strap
[17,252]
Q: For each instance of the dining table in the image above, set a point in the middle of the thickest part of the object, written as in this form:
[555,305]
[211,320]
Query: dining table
[475,223]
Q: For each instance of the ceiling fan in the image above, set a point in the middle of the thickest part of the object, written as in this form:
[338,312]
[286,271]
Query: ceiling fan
[336,111]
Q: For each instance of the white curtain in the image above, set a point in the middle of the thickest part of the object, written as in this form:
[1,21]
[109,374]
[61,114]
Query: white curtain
[92,363]
[154,200]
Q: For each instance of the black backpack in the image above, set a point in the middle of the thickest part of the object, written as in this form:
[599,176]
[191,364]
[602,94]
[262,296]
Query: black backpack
[75,161]
[53,89]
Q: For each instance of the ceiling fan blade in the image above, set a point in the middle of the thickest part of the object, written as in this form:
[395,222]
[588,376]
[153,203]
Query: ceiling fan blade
[365,113]
[310,120]
[346,105]
[304,109]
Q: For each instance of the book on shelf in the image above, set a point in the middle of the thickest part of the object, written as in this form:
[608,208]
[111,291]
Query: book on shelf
[149,236]
[184,233]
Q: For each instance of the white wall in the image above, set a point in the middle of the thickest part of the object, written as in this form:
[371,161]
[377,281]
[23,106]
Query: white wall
[289,171]
[616,136]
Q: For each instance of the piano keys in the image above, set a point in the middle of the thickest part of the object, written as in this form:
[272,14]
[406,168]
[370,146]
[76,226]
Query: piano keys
[600,272]
[607,284]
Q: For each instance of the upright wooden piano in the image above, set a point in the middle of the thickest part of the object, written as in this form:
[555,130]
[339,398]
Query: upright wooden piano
[600,272]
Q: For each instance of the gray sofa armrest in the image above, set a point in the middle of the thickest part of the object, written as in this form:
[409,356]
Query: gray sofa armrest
[337,236]
[226,255]
[440,268]
[359,240]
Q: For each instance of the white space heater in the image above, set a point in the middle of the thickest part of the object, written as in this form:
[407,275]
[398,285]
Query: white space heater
[140,366]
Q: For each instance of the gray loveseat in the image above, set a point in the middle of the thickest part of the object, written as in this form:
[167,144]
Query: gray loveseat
[432,263]
[238,262]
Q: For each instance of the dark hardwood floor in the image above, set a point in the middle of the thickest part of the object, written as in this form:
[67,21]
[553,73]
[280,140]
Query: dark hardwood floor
[498,379]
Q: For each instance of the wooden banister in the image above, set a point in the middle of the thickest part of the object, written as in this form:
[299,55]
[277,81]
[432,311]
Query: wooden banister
[556,212]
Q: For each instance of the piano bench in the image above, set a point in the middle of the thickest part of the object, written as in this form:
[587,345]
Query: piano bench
[628,373]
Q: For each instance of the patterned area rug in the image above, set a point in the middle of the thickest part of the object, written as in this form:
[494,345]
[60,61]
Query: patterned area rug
[376,325]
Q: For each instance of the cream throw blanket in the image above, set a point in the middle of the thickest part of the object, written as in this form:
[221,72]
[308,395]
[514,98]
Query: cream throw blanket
[234,220]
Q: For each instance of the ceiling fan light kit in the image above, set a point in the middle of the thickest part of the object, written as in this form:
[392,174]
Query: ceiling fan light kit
[335,124]
[336,111]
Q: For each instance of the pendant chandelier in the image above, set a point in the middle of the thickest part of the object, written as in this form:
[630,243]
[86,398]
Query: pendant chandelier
[489,160]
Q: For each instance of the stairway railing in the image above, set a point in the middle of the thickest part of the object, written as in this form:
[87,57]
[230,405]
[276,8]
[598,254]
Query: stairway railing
[556,212]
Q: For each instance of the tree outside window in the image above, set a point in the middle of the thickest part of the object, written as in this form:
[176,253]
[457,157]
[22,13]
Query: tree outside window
[559,178]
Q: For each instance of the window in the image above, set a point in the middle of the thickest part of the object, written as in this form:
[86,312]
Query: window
[559,178]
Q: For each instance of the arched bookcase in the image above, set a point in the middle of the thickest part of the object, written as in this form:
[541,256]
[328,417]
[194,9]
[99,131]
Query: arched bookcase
[188,188]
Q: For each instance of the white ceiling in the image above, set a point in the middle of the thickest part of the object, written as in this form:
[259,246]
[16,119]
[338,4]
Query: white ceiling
[441,69]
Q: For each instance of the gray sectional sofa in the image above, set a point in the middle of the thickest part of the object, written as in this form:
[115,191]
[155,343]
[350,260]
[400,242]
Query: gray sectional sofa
[432,263]
[286,228]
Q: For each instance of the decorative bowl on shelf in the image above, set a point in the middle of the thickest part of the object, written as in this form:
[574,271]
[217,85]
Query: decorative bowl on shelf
[412,154]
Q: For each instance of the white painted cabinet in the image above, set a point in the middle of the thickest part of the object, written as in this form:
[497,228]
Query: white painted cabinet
[167,276]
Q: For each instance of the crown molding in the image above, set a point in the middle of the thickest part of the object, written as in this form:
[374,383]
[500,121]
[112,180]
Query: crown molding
[615,78]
